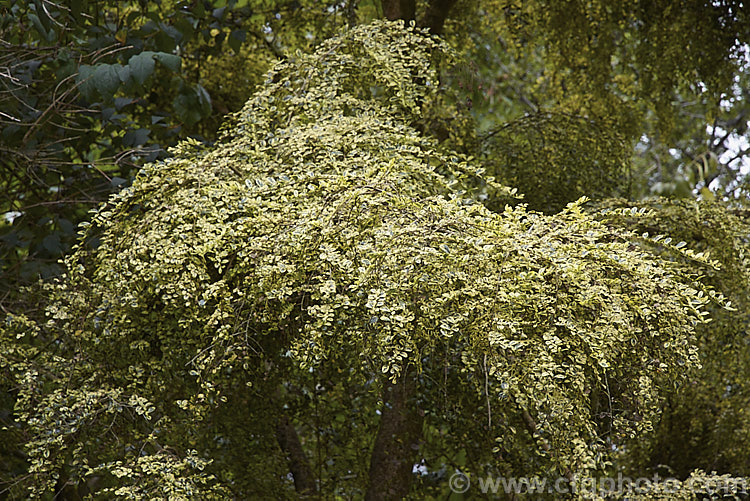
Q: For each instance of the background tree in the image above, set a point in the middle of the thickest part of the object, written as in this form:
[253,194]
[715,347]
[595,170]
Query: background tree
[92,90]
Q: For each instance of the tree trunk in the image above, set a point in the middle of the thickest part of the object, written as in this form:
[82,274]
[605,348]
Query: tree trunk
[437,13]
[397,442]
[400,9]
[434,18]
[304,481]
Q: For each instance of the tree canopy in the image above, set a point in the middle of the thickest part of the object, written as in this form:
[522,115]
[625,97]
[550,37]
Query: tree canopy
[364,283]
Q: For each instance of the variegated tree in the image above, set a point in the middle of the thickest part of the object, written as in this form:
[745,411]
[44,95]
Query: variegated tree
[321,301]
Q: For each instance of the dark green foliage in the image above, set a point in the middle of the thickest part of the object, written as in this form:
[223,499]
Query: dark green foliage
[93,90]
[555,158]
[606,53]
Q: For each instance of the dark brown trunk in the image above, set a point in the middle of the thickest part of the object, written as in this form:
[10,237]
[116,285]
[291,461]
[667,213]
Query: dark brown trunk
[437,13]
[397,443]
[400,9]
[304,481]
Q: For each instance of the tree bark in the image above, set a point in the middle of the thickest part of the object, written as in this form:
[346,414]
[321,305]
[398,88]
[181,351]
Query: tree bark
[437,13]
[304,481]
[397,442]
[400,9]
[434,18]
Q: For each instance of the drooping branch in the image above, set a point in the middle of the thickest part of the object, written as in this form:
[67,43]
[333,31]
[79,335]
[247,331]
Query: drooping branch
[531,426]
[397,442]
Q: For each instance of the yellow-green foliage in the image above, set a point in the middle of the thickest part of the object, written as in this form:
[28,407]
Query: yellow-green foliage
[325,243]
[705,423]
